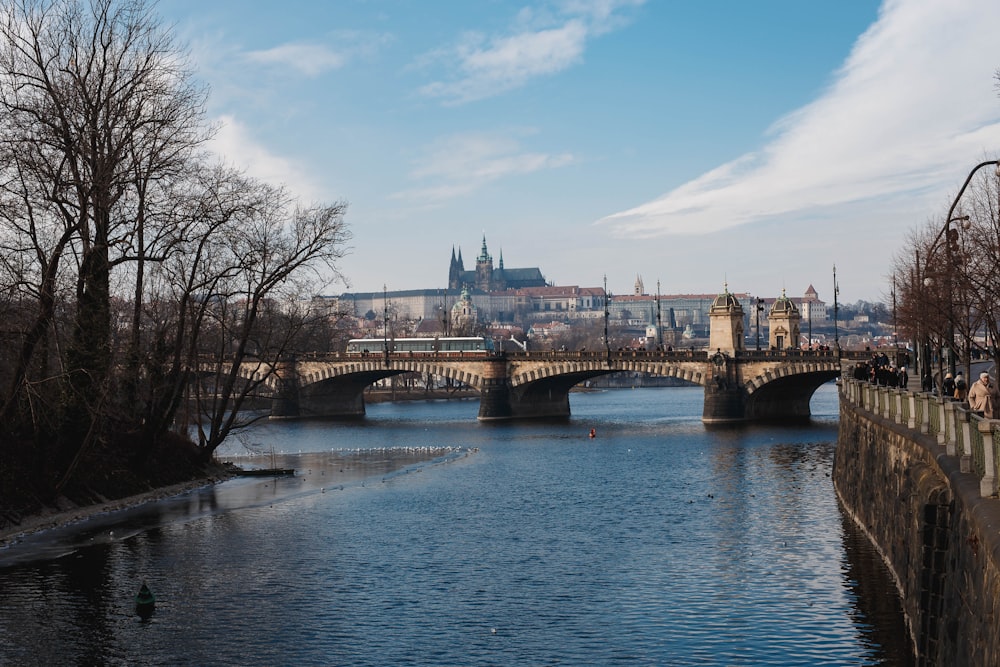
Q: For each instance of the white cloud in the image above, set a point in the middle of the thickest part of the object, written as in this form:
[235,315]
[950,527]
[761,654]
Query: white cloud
[312,59]
[912,107]
[540,45]
[309,59]
[234,144]
[460,164]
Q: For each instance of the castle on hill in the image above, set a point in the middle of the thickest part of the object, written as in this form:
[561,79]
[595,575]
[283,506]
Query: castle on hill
[487,278]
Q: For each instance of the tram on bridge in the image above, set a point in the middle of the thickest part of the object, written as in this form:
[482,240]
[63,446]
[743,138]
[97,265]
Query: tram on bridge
[447,346]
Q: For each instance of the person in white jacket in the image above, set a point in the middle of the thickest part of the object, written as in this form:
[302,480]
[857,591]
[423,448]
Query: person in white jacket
[983,396]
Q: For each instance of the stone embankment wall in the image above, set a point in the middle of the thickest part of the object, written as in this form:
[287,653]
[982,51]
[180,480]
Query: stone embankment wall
[915,472]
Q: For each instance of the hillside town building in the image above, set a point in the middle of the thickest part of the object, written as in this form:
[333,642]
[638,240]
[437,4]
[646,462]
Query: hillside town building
[494,296]
[486,278]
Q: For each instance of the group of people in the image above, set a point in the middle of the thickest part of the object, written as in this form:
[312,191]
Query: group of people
[880,371]
[983,396]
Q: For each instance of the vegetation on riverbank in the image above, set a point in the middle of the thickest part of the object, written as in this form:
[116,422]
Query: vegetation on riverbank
[111,471]
[147,289]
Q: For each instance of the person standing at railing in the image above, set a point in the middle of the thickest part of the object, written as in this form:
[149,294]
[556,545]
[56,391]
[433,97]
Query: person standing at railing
[948,386]
[983,396]
[961,389]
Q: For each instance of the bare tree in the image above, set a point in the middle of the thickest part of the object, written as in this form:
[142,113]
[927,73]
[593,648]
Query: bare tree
[948,276]
[236,273]
[97,106]
[128,259]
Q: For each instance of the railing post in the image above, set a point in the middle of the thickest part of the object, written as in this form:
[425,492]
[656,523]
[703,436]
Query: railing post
[964,456]
[925,413]
[988,484]
[897,406]
[912,421]
[942,434]
[948,427]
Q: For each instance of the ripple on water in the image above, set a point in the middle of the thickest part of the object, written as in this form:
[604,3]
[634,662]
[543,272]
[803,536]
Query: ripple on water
[657,543]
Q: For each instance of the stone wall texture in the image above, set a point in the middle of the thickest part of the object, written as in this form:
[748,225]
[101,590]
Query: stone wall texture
[940,539]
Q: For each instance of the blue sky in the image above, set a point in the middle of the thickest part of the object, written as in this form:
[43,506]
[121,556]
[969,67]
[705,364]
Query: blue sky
[693,143]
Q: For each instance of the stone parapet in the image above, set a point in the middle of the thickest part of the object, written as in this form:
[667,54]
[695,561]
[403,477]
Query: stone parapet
[933,517]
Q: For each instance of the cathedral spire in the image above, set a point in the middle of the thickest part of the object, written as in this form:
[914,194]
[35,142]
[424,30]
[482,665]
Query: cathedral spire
[484,256]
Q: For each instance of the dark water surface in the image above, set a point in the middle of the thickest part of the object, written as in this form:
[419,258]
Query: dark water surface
[422,537]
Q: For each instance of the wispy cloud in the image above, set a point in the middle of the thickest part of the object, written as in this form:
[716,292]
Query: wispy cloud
[313,58]
[912,106]
[459,165]
[308,59]
[539,44]
[235,144]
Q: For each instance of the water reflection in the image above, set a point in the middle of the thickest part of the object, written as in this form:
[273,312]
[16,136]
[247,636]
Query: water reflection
[657,543]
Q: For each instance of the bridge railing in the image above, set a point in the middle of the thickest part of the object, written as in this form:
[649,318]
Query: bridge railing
[678,354]
[616,355]
[673,354]
[960,431]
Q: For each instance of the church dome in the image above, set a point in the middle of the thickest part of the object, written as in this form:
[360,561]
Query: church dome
[784,306]
[726,302]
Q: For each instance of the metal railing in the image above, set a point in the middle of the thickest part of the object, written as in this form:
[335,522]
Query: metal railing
[963,433]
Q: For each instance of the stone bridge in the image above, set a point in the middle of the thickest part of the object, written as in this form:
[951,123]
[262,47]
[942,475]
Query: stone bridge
[743,385]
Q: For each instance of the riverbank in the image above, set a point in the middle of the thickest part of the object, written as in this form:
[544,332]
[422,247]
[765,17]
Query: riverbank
[64,512]
[113,473]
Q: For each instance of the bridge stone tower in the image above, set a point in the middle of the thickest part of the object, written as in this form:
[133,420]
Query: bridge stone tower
[725,324]
[725,399]
[783,324]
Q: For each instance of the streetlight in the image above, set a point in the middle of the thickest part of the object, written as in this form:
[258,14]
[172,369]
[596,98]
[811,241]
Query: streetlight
[385,324]
[836,332]
[757,307]
[659,321]
[951,235]
[810,322]
[607,314]
[952,247]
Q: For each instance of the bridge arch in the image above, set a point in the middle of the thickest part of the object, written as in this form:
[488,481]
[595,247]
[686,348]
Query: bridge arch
[336,389]
[528,372]
[785,390]
[313,373]
[740,386]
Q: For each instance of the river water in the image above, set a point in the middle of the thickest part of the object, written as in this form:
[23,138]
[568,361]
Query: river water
[423,537]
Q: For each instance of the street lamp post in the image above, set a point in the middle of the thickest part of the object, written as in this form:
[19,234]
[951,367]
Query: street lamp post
[836,332]
[950,235]
[385,324]
[923,338]
[758,305]
[951,248]
[895,336]
[810,323]
[607,314]
[659,319]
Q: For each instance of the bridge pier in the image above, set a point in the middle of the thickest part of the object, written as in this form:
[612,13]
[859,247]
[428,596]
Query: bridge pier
[285,400]
[494,400]
[500,400]
[725,397]
[723,404]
